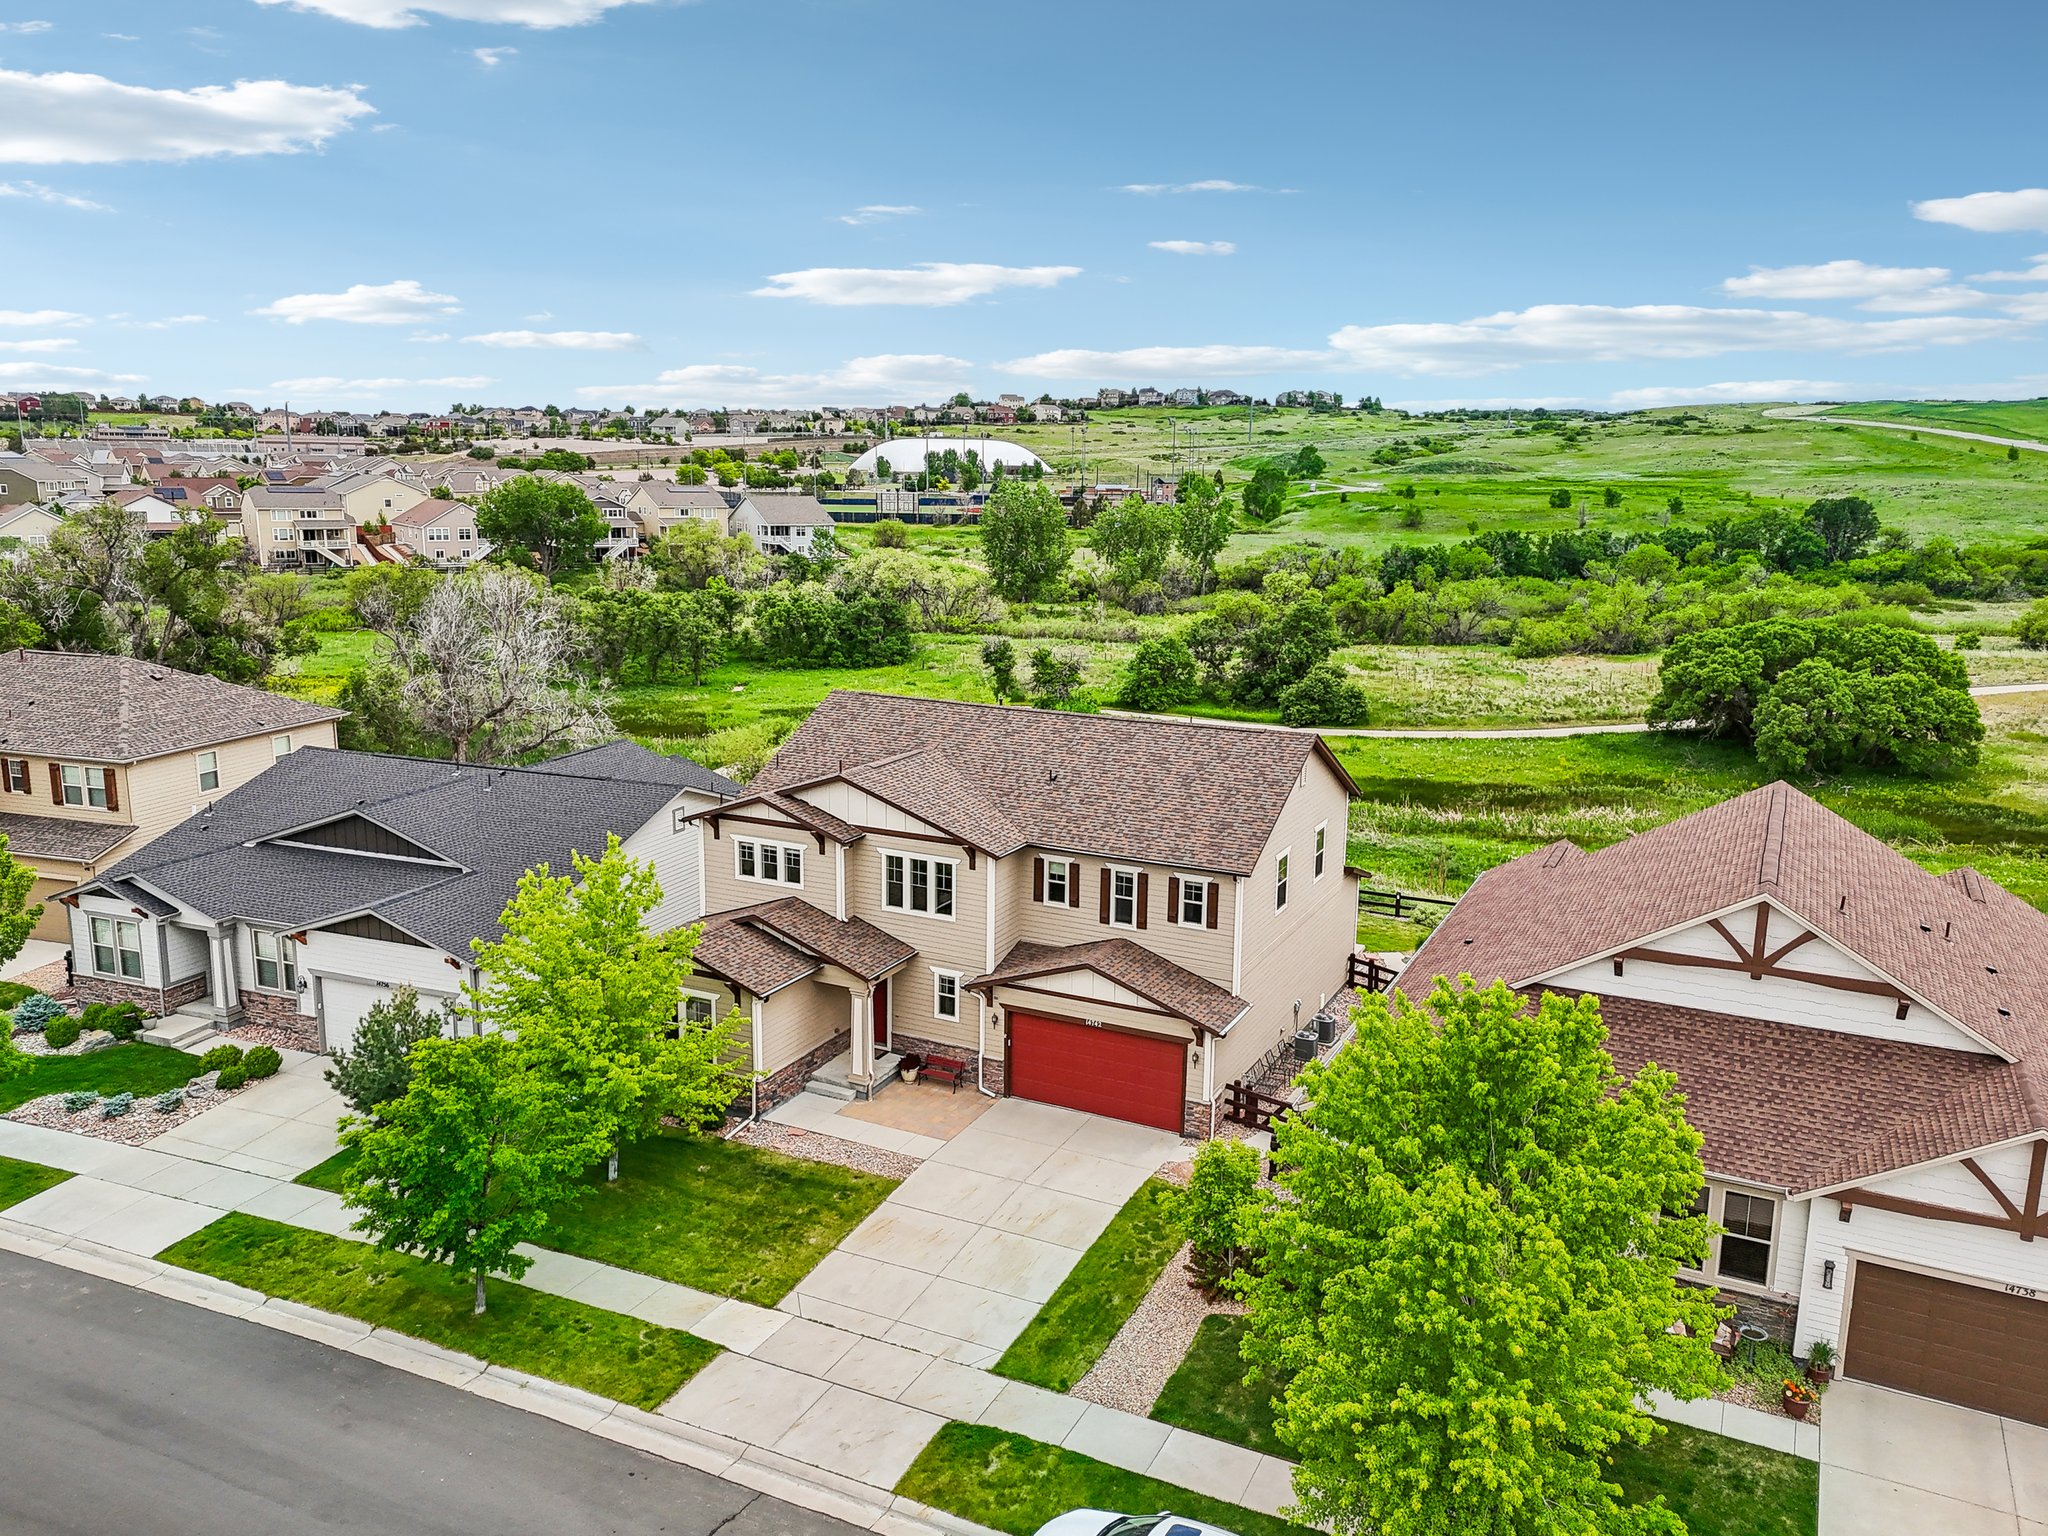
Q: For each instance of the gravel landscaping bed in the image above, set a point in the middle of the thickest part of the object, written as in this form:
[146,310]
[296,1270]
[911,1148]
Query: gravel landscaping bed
[1149,1348]
[795,1142]
[282,1037]
[143,1122]
[92,1040]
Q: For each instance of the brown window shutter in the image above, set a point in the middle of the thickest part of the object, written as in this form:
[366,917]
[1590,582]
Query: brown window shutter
[1073,883]
[1038,879]
[1173,898]
[56,784]
[1213,903]
[113,792]
[1144,883]
[1103,916]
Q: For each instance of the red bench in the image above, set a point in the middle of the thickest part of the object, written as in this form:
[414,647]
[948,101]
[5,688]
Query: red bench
[944,1069]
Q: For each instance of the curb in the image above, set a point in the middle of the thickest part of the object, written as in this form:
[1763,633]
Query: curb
[763,1471]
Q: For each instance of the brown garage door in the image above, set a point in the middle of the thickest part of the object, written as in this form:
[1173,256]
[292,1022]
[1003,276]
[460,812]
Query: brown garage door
[1101,1071]
[1961,1343]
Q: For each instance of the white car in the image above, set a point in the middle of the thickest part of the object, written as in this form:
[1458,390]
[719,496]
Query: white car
[1101,1522]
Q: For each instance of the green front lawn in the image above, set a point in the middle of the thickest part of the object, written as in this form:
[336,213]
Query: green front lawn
[716,1215]
[134,1068]
[1072,1329]
[1208,1393]
[1016,1484]
[19,1180]
[1722,1487]
[604,1352]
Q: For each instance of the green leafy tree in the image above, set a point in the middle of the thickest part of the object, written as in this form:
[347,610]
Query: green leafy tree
[1024,539]
[1135,536]
[2031,629]
[550,525]
[1205,523]
[1469,1282]
[999,661]
[1324,697]
[693,554]
[465,1165]
[377,1068]
[1294,637]
[1265,494]
[1847,526]
[1308,463]
[1055,677]
[1218,1208]
[591,993]
[1161,675]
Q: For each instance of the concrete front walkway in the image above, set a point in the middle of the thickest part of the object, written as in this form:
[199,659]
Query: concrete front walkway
[965,1251]
[1895,1465]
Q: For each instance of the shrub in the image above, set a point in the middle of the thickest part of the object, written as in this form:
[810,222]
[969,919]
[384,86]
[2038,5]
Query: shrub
[1161,675]
[220,1058]
[1325,696]
[378,1069]
[231,1077]
[117,1106]
[1214,1210]
[2032,628]
[170,1101]
[261,1062]
[34,1012]
[892,534]
[121,1020]
[62,1031]
[79,1100]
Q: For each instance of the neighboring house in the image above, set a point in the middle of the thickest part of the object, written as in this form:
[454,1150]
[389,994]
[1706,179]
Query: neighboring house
[780,523]
[441,531]
[659,507]
[100,755]
[373,496]
[28,527]
[296,526]
[1121,915]
[24,477]
[1864,1048]
[306,896]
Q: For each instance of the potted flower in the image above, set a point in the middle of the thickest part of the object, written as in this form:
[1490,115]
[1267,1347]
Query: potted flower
[1820,1362]
[907,1068]
[1797,1397]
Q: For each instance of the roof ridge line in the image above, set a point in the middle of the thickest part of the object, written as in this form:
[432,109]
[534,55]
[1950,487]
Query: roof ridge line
[1771,855]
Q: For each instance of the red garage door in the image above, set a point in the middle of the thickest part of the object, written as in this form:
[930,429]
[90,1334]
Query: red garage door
[1099,1071]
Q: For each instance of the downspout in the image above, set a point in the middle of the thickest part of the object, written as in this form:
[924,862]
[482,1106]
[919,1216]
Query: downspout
[754,1083]
[1209,1081]
[981,1036]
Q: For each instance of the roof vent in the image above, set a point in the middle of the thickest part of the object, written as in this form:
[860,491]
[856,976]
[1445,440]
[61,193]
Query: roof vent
[1948,932]
[1991,969]
[2005,1013]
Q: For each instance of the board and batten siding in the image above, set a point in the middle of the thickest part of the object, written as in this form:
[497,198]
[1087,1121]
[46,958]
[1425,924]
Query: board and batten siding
[1952,1250]
[960,944]
[1776,998]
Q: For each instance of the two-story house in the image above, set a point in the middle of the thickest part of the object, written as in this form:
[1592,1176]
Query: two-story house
[440,530]
[101,755]
[1862,1045]
[1121,915]
[660,507]
[781,523]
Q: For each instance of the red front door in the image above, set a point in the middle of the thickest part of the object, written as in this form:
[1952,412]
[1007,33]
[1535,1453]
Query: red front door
[1097,1070]
[881,1014]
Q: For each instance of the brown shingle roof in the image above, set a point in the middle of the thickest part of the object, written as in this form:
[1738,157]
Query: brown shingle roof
[765,947]
[73,839]
[1005,777]
[1153,977]
[1963,944]
[118,709]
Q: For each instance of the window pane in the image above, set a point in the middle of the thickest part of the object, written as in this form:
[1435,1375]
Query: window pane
[770,854]
[131,963]
[1745,1259]
[920,885]
[793,866]
[892,881]
[1056,883]
[746,860]
[942,889]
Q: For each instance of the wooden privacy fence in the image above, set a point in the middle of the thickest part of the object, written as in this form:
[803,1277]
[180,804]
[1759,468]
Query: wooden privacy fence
[1366,974]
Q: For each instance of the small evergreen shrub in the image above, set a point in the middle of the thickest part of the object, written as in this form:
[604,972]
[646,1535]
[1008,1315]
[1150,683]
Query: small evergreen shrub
[117,1106]
[220,1058]
[79,1100]
[261,1062]
[62,1031]
[170,1101]
[35,1011]
[121,1020]
[231,1078]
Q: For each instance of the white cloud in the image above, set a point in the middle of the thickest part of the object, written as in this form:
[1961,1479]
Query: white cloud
[332,385]
[2037,273]
[42,345]
[397,303]
[885,379]
[78,119]
[430,338]
[121,37]
[932,283]
[41,317]
[538,316]
[24,28]
[412,13]
[1717,394]
[1155,188]
[169,322]
[1916,290]
[50,373]
[1194,247]
[875,213]
[491,58]
[1991,213]
[37,192]
[566,341]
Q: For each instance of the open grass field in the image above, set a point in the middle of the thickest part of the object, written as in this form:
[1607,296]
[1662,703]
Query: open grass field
[2000,418]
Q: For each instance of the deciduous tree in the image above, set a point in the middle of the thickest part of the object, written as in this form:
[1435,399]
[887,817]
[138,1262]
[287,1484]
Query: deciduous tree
[1024,539]
[548,525]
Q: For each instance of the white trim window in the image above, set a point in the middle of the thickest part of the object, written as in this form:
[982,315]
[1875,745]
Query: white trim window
[916,882]
[85,786]
[277,961]
[1747,1226]
[1194,902]
[697,1010]
[768,863]
[280,746]
[1280,868]
[1060,875]
[1322,846]
[945,994]
[1123,898]
[117,947]
[209,770]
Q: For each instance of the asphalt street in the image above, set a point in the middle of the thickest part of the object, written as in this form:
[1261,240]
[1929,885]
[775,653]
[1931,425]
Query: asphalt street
[125,1413]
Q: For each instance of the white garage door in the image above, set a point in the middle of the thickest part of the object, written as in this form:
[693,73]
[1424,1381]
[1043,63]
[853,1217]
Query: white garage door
[342,1005]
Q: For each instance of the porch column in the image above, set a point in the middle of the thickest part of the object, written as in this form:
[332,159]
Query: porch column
[863,1038]
[227,995]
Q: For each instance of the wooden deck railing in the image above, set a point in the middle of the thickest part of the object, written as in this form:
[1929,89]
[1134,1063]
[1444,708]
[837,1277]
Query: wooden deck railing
[1366,974]
[1246,1106]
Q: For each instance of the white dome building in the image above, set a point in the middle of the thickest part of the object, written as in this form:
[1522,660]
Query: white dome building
[906,455]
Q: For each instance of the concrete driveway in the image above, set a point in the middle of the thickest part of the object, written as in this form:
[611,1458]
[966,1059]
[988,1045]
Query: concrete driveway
[1895,1465]
[967,1249]
[279,1127]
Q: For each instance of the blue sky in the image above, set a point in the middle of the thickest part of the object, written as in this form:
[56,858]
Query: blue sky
[350,202]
